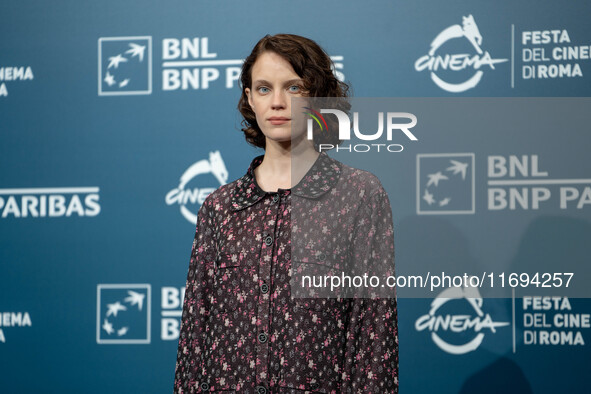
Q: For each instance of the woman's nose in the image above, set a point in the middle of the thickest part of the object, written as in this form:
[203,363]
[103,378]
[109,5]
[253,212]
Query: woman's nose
[279,100]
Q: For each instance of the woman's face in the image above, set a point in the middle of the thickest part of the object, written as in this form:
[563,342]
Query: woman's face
[274,83]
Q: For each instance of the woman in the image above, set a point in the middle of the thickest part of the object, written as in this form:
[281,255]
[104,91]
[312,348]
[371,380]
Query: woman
[242,328]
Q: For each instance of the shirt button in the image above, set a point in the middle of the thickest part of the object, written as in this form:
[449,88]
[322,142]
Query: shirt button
[265,288]
[276,198]
[262,337]
[260,390]
[314,385]
[321,257]
[204,386]
[268,240]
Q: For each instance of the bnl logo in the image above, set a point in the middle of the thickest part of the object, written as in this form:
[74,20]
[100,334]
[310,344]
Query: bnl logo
[124,65]
[445,183]
[123,314]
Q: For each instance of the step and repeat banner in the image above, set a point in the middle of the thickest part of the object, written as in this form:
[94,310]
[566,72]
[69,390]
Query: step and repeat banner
[117,119]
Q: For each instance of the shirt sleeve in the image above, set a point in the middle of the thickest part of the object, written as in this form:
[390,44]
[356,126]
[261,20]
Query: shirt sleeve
[371,356]
[189,362]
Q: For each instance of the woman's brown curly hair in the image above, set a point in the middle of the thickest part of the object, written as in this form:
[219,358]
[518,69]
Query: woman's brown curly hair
[309,61]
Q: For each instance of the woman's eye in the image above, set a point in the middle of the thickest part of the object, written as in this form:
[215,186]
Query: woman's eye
[263,89]
[294,88]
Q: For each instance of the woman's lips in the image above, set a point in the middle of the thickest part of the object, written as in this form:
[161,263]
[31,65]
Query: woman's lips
[278,120]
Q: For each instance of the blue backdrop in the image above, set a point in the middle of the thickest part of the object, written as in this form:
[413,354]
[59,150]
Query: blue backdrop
[109,112]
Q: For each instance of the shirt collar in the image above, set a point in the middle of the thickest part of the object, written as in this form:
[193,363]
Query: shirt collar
[320,178]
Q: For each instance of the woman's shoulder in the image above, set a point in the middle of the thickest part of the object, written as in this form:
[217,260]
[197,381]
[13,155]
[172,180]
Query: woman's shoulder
[359,179]
[226,198]
[222,195]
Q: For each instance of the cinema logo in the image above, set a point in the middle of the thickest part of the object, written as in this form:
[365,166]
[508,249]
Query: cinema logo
[188,197]
[49,202]
[440,324]
[458,62]
[391,125]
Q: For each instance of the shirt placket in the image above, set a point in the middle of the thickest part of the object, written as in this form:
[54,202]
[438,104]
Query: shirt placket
[268,255]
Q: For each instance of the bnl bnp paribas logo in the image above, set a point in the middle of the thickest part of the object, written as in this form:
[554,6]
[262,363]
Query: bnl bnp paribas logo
[189,63]
[445,183]
[124,66]
[123,314]
[451,71]
[52,202]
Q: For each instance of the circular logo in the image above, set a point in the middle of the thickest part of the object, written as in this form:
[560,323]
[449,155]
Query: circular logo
[182,196]
[434,322]
[457,62]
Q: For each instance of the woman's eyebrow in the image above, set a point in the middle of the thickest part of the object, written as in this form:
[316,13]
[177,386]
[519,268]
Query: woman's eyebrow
[291,81]
[265,82]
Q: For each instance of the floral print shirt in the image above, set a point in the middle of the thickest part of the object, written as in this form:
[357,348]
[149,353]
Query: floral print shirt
[242,329]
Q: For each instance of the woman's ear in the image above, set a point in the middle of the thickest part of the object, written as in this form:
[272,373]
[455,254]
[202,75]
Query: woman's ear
[247,91]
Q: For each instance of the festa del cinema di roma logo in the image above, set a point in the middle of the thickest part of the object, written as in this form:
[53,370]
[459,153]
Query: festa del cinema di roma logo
[188,198]
[436,322]
[458,62]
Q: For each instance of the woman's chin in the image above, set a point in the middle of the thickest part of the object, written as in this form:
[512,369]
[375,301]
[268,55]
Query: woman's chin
[279,136]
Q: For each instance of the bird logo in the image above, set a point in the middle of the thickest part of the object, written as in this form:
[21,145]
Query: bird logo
[122,311]
[124,65]
[137,50]
[444,183]
[135,299]
[114,62]
[113,309]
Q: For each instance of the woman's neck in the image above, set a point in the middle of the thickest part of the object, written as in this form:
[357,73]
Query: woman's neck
[283,167]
